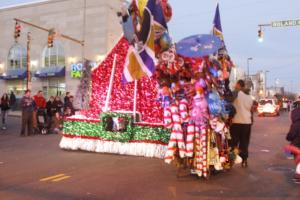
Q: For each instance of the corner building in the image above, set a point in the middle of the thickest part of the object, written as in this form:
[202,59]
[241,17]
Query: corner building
[57,69]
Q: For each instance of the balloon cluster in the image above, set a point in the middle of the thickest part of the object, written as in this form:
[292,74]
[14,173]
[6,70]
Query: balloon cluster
[209,75]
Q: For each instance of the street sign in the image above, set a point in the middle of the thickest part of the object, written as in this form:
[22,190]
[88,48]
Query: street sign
[286,23]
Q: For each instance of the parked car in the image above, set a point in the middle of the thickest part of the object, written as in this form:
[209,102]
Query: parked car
[268,107]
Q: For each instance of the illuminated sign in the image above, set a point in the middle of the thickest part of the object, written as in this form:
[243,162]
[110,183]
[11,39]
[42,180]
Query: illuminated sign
[286,23]
[76,70]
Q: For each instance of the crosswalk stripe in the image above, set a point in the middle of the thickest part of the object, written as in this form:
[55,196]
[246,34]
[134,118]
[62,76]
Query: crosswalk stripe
[61,178]
[52,177]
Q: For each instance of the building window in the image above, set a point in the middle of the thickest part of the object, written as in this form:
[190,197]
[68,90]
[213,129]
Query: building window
[17,57]
[54,56]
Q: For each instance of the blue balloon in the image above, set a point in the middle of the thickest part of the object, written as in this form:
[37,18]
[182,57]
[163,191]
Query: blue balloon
[213,71]
[214,103]
[228,108]
[225,109]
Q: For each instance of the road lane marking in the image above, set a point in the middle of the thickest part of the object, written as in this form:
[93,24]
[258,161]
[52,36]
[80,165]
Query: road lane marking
[52,177]
[61,178]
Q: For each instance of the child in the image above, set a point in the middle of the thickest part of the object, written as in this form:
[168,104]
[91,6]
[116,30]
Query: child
[294,137]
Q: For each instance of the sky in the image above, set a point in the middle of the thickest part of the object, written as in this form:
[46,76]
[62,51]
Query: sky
[279,53]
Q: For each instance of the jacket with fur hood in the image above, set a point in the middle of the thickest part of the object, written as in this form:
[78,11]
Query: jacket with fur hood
[294,134]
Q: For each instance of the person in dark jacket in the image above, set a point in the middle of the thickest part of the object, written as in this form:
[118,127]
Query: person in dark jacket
[67,98]
[12,100]
[58,105]
[69,108]
[4,104]
[50,107]
[27,105]
[293,136]
[296,104]
[58,114]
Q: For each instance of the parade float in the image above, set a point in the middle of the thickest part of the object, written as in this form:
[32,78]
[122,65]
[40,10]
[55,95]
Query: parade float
[155,98]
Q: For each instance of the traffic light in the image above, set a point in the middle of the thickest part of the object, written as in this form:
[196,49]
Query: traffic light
[50,40]
[260,35]
[17,30]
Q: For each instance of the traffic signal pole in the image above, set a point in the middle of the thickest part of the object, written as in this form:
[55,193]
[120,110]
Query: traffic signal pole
[51,32]
[81,42]
[277,24]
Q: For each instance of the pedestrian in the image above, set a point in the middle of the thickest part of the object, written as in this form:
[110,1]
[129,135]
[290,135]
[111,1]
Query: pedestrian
[12,101]
[296,104]
[4,104]
[285,106]
[67,98]
[50,108]
[58,105]
[242,121]
[27,105]
[40,105]
[40,100]
[58,114]
[289,106]
[293,137]
[69,107]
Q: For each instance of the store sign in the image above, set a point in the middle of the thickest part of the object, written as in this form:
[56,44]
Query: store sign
[76,70]
[286,23]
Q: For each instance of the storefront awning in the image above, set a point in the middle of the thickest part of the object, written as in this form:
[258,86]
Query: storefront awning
[55,71]
[14,74]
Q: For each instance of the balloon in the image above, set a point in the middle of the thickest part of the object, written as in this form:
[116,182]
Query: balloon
[213,72]
[165,41]
[165,97]
[199,113]
[167,10]
[214,103]
[201,83]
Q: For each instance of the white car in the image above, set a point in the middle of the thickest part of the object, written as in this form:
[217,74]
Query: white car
[268,107]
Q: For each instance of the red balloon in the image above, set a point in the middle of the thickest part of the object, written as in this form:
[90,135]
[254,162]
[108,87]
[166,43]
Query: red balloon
[167,9]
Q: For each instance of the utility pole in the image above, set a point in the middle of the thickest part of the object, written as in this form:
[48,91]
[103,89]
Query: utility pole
[28,60]
[248,60]
[266,89]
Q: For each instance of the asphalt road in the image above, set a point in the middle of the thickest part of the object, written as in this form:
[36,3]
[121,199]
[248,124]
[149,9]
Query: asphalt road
[34,168]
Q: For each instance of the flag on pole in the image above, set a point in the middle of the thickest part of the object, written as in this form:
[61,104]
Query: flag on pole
[141,60]
[160,24]
[217,27]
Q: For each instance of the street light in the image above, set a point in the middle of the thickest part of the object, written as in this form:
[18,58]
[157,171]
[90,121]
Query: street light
[248,59]
[266,82]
